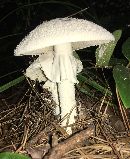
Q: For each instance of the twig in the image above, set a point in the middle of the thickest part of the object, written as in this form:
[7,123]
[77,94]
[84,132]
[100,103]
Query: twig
[110,142]
[81,11]
[59,151]
[123,113]
[25,136]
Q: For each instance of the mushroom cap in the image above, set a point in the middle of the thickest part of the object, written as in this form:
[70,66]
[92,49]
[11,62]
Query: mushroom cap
[79,32]
[34,71]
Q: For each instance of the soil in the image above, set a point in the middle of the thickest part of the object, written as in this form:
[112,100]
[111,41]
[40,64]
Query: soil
[28,125]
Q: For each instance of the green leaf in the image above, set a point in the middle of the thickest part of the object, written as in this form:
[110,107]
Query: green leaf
[11,155]
[105,51]
[94,84]
[122,78]
[11,83]
[117,61]
[84,89]
[126,48]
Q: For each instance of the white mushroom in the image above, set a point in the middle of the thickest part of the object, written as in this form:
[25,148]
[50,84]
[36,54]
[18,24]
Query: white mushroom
[62,36]
[34,72]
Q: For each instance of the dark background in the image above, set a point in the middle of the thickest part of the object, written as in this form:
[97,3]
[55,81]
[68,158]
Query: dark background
[19,17]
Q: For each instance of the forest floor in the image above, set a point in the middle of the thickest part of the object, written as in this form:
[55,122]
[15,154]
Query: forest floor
[28,125]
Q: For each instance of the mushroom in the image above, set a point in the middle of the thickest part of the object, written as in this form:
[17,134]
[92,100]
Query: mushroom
[34,72]
[54,41]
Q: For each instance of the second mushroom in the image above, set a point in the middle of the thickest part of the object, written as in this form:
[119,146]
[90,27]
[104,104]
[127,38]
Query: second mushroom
[54,41]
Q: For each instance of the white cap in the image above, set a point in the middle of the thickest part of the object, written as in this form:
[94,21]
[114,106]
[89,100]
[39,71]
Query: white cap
[81,33]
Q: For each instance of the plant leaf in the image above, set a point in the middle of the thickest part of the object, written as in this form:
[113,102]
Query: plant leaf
[126,48]
[11,155]
[94,84]
[11,83]
[104,51]
[121,76]
[117,61]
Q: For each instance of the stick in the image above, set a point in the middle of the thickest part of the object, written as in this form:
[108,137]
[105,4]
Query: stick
[59,151]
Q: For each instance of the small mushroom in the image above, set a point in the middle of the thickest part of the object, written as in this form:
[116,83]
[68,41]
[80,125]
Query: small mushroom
[54,41]
[34,72]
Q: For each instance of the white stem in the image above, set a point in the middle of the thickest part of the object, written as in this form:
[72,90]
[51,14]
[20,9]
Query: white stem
[67,65]
[67,102]
[64,64]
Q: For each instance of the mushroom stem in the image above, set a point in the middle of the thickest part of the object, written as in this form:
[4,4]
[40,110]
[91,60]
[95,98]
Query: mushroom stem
[65,69]
[64,64]
[66,91]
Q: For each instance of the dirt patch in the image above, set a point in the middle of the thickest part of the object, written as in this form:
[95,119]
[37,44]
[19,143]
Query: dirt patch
[28,125]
